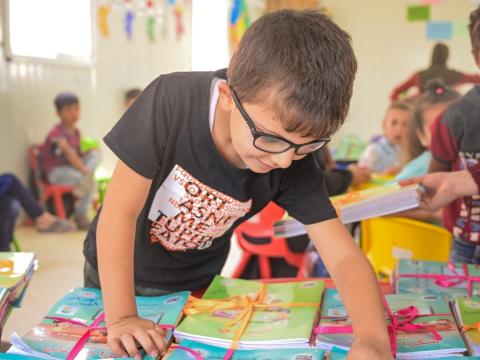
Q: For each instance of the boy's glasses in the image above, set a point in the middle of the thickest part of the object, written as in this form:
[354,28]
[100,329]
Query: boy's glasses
[275,144]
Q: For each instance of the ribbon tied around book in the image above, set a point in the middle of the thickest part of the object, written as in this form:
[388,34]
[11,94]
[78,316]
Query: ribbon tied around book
[448,280]
[401,320]
[246,307]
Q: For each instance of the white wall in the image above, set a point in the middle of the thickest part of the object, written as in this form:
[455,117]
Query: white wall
[27,88]
[389,49]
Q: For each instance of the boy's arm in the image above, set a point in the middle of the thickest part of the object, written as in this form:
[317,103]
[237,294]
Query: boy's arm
[125,197]
[72,156]
[358,287]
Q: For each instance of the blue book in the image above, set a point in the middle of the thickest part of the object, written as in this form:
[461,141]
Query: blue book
[209,352]
[419,285]
[56,337]
[435,313]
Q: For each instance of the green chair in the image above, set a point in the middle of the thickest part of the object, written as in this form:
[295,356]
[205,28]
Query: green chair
[14,245]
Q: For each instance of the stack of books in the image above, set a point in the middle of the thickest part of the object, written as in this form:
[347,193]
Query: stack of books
[431,277]
[16,270]
[467,312]
[360,205]
[284,319]
[434,315]
[68,319]
[187,350]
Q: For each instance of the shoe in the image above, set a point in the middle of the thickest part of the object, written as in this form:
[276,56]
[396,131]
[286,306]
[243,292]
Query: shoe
[84,186]
[83,223]
[58,226]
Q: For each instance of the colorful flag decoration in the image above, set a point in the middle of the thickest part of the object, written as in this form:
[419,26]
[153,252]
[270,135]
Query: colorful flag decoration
[239,22]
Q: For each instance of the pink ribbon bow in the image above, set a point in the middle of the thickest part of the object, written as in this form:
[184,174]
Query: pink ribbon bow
[84,338]
[89,329]
[448,280]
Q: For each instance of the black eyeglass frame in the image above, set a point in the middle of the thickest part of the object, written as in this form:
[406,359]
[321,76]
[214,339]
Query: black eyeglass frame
[257,134]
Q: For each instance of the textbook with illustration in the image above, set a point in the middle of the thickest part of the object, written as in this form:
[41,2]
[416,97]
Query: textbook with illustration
[433,314]
[360,205]
[467,311]
[417,277]
[283,317]
[16,270]
[70,317]
[209,352]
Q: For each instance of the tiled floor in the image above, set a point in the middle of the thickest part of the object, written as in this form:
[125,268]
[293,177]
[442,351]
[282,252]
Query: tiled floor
[60,269]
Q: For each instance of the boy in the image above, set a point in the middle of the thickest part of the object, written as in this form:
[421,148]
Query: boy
[199,155]
[383,155]
[456,146]
[62,160]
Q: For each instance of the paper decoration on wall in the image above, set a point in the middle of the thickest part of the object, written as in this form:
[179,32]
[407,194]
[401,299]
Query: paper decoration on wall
[439,30]
[102,16]
[129,16]
[418,13]
[431,2]
[150,20]
[179,26]
[239,22]
[460,30]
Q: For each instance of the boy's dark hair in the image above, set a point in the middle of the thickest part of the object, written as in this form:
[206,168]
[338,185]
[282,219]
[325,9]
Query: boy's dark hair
[65,98]
[303,64]
[132,94]
[440,55]
[435,93]
[474,29]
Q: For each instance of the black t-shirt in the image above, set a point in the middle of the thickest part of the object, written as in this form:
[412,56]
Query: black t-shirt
[196,197]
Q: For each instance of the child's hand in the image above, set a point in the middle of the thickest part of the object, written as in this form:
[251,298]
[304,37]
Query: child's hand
[360,174]
[369,350]
[125,336]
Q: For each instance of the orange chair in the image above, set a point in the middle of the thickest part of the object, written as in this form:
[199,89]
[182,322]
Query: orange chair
[275,247]
[46,189]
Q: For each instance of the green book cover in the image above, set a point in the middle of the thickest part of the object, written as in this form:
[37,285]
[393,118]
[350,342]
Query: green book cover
[468,313]
[272,324]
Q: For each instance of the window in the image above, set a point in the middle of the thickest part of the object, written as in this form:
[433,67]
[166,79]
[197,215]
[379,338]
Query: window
[49,29]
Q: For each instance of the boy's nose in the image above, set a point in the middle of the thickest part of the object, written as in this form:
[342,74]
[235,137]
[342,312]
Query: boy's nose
[284,160]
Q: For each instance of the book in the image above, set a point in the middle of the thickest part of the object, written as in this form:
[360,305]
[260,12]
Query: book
[209,352]
[419,285]
[360,205]
[55,336]
[16,270]
[467,311]
[434,314]
[278,325]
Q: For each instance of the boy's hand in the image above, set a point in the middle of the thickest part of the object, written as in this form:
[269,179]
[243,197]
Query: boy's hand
[126,335]
[369,350]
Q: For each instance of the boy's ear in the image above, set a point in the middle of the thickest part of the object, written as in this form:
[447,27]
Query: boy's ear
[225,96]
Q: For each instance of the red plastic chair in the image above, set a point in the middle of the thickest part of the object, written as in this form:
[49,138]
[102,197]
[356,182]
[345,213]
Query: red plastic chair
[46,189]
[275,248]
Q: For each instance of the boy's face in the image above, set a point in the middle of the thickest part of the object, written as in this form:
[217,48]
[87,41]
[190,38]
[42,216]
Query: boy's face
[265,121]
[395,125]
[69,114]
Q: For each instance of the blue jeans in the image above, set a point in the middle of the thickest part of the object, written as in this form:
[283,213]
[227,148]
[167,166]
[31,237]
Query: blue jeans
[68,175]
[464,252]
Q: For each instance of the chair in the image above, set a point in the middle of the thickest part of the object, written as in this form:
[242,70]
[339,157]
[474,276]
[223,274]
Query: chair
[266,246]
[386,239]
[15,245]
[47,190]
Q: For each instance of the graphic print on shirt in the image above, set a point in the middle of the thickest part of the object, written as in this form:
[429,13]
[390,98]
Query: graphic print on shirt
[468,222]
[187,214]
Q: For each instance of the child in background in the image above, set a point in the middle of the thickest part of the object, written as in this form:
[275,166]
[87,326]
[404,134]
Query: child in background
[428,107]
[199,154]
[456,146]
[13,194]
[383,155]
[62,160]
[130,96]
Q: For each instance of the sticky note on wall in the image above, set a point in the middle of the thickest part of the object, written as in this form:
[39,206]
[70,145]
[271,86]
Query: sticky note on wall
[418,13]
[439,30]
[432,2]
